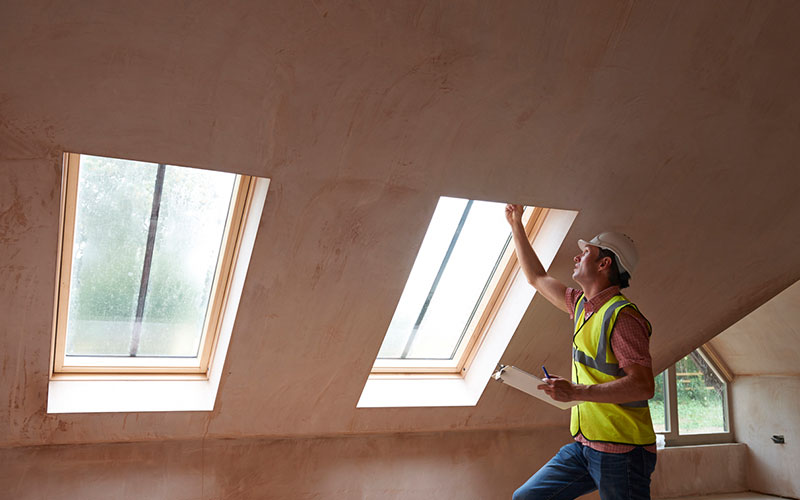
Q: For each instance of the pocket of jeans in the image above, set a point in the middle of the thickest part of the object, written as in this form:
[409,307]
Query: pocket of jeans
[615,464]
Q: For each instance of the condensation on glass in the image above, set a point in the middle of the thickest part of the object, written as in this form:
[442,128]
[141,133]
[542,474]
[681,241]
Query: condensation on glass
[144,256]
[690,404]
[459,255]
[701,397]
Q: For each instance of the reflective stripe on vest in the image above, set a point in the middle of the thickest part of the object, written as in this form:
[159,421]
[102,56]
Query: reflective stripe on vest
[599,362]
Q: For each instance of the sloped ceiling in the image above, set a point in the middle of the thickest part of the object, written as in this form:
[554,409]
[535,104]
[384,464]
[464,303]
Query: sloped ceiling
[676,122]
[766,341]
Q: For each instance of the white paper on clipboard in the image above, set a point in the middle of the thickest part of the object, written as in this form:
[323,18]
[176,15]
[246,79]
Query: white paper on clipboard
[525,382]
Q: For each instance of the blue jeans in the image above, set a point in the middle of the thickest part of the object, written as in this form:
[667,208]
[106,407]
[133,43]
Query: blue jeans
[577,469]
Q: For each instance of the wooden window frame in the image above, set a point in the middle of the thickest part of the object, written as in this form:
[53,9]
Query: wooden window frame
[116,367]
[498,288]
[672,436]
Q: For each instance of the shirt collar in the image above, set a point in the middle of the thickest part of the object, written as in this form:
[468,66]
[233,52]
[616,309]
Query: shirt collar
[601,298]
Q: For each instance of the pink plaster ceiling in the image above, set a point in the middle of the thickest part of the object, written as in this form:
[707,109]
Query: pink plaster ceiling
[676,122]
[766,341]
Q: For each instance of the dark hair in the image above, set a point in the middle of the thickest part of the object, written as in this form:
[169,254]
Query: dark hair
[615,277]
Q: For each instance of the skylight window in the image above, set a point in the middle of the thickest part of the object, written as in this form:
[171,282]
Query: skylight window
[459,274]
[146,255]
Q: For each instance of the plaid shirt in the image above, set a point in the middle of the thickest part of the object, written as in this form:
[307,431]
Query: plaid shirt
[630,342]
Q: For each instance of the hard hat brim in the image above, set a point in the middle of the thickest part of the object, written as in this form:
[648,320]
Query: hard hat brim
[596,243]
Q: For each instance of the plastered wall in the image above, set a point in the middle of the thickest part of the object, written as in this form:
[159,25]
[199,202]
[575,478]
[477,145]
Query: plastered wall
[700,470]
[648,118]
[483,465]
[762,351]
[767,405]
[465,465]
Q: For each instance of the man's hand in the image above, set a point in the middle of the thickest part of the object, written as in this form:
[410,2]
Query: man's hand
[514,214]
[559,389]
[636,385]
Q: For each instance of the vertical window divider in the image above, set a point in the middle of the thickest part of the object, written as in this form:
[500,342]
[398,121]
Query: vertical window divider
[155,210]
[672,404]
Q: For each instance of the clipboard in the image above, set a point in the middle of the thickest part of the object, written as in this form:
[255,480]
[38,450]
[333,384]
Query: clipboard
[525,382]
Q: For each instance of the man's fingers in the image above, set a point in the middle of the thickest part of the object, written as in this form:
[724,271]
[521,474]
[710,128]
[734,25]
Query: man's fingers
[513,210]
[557,388]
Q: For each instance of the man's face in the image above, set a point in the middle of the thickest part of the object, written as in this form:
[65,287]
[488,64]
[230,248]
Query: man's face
[586,265]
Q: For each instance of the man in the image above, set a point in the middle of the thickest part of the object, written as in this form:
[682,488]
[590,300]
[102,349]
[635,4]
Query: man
[614,447]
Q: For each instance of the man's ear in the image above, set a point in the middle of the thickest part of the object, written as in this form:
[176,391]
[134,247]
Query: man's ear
[605,263]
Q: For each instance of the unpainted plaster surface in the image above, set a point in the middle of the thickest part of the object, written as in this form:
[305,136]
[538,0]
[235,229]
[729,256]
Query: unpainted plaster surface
[766,406]
[470,465]
[700,470]
[766,341]
[675,122]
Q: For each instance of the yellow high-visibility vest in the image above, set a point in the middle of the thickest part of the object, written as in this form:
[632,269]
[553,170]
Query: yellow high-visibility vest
[593,362]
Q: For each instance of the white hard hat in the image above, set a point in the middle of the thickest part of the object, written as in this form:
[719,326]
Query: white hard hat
[622,246]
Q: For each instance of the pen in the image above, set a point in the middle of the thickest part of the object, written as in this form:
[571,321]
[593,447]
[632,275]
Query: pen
[545,372]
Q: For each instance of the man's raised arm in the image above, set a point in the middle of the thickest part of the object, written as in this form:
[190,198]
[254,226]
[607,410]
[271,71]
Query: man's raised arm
[552,289]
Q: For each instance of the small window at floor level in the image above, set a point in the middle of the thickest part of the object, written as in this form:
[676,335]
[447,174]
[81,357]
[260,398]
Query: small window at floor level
[701,397]
[690,404]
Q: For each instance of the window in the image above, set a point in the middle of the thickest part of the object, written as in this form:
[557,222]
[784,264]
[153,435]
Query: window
[147,253]
[464,299]
[461,271]
[690,405]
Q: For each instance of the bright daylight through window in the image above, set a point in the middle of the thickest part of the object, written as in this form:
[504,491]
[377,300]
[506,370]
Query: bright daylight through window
[690,405]
[146,254]
[459,274]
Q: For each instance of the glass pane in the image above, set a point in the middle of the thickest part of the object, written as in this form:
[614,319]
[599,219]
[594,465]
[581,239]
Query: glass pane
[111,223]
[658,409]
[432,316]
[194,209]
[700,397]
[115,200]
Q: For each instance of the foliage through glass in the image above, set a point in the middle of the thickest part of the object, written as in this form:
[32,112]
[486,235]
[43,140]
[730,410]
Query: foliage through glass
[701,400]
[112,221]
[700,396]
